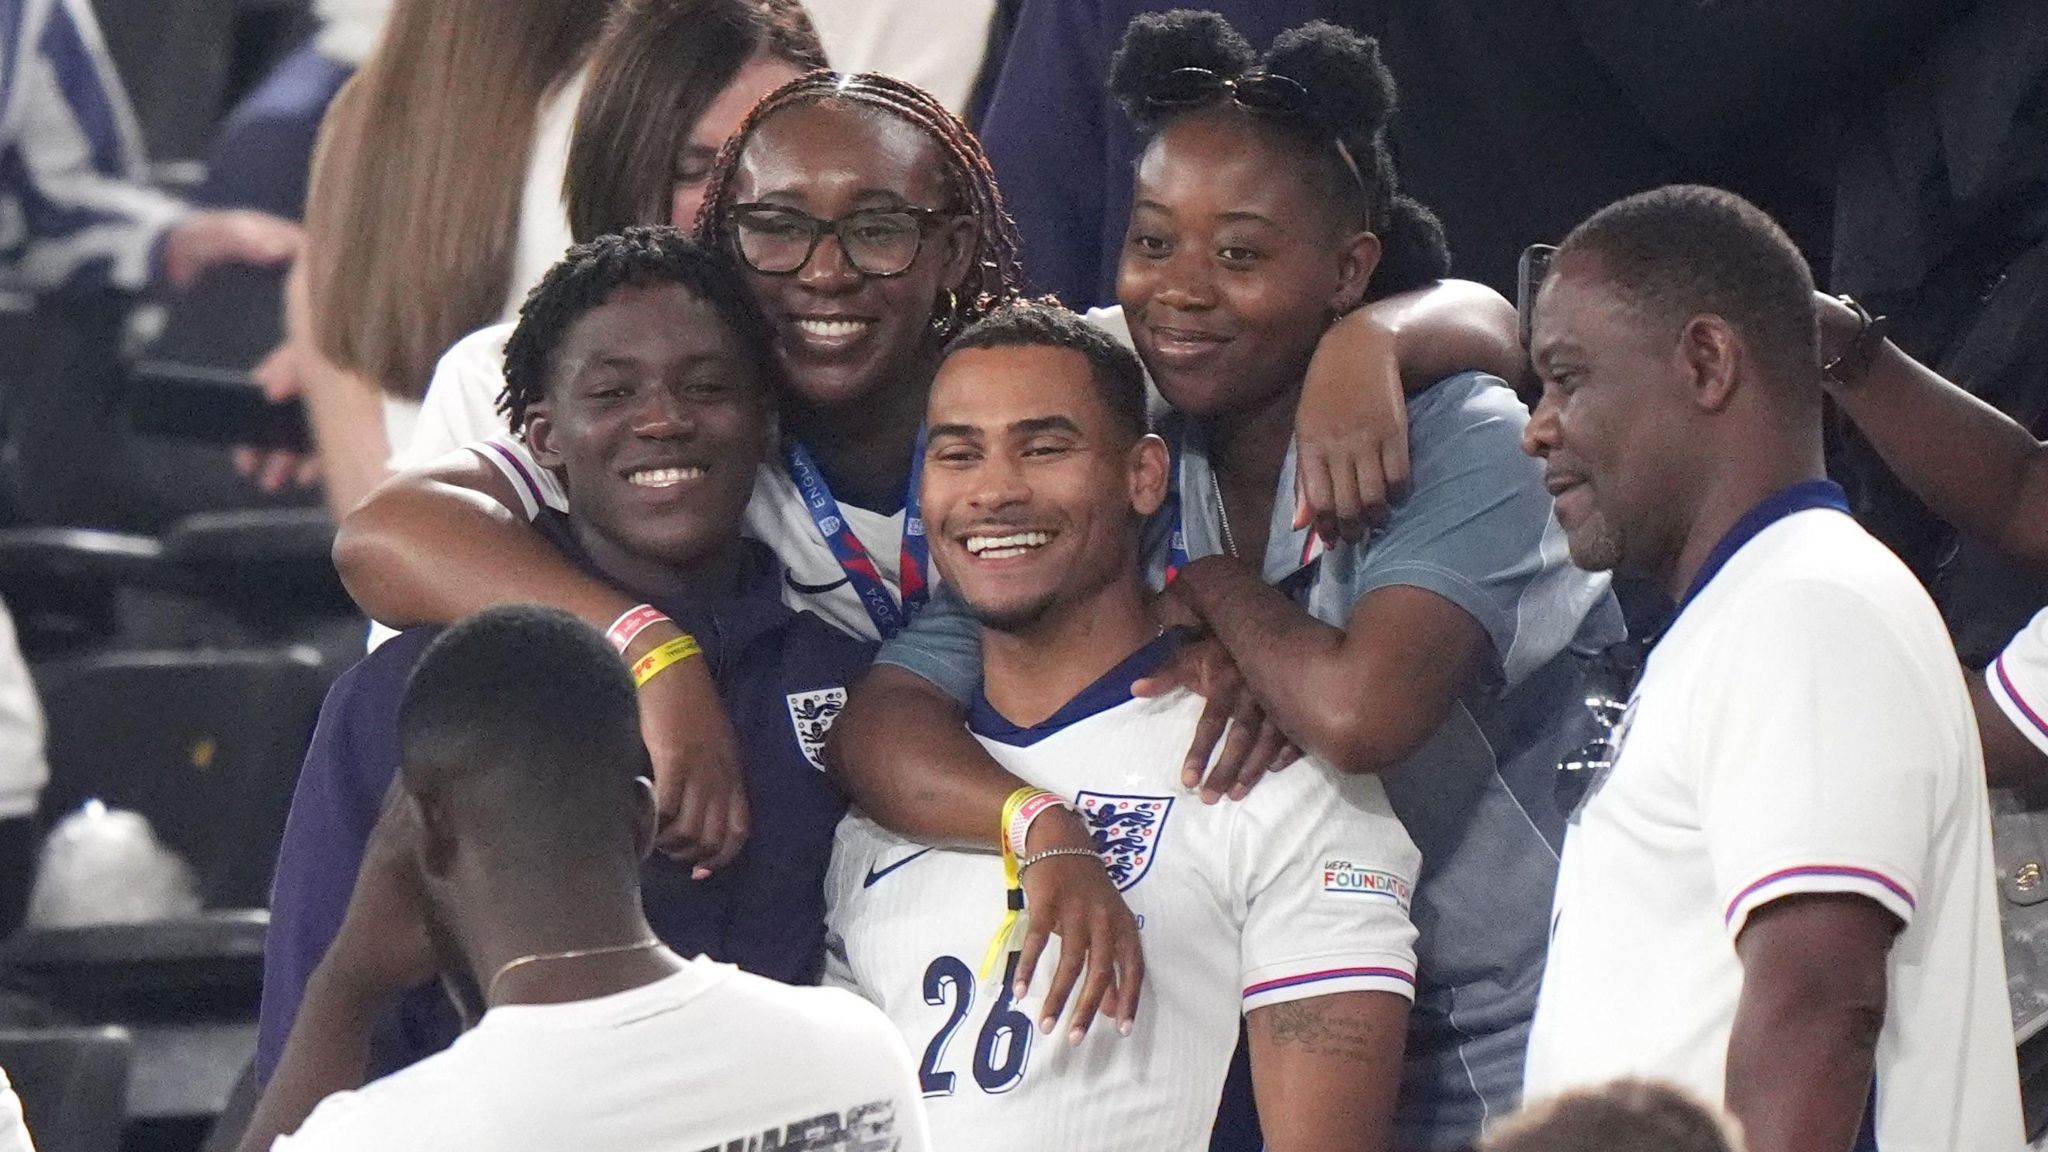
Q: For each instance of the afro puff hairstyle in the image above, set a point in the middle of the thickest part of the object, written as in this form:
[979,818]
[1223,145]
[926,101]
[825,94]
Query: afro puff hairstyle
[1349,98]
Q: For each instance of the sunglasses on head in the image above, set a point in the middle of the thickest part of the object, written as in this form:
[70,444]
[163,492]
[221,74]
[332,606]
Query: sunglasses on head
[1260,92]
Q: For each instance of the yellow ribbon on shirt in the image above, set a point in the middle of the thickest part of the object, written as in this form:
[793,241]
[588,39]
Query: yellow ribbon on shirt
[1013,883]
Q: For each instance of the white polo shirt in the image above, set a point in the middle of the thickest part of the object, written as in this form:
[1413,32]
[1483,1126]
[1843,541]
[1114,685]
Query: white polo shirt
[1802,727]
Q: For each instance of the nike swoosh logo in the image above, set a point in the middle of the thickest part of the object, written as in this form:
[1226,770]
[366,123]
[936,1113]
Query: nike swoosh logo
[797,585]
[876,874]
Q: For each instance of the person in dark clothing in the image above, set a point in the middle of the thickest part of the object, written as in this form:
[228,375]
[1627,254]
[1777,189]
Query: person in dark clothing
[1942,227]
[1517,120]
[639,375]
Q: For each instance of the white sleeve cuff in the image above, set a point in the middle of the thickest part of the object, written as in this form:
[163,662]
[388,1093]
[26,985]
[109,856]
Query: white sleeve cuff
[1327,976]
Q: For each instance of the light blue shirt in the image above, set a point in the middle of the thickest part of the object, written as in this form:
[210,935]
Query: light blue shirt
[1478,798]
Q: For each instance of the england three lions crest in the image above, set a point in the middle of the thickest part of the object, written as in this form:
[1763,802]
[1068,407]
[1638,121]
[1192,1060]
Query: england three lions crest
[1127,831]
[811,715]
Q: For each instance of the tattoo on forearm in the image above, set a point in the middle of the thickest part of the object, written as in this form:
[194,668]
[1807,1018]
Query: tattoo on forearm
[1316,1026]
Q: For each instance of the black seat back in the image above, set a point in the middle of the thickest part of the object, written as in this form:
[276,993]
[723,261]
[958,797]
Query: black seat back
[73,1084]
[206,745]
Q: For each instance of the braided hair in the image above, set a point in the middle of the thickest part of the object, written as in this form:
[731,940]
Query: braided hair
[996,276]
[589,274]
[1349,97]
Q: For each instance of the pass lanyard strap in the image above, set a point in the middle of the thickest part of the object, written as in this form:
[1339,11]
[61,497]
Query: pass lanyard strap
[861,573]
[1177,547]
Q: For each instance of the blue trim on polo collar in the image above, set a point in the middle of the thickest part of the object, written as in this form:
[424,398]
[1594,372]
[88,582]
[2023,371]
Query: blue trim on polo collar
[1800,497]
[1109,690]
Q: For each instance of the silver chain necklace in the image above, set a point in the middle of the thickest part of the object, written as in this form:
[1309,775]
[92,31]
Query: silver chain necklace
[1223,515]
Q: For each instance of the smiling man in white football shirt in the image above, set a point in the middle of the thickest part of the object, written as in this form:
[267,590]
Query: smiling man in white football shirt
[1780,893]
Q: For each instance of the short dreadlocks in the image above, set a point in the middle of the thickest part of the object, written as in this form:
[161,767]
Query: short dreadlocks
[587,277]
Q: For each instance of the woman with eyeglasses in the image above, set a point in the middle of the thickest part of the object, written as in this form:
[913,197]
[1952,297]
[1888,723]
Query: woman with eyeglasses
[1442,653]
[870,229]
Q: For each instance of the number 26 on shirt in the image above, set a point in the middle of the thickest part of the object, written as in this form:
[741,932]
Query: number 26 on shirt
[1003,1046]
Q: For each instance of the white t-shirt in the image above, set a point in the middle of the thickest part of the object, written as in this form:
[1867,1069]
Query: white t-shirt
[707,1059]
[543,216]
[1299,891]
[1803,727]
[937,45]
[13,1129]
[2018,680]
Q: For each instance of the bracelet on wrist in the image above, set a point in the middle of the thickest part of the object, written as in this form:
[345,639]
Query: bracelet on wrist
[667,656]
[631,623]
[1025,864]
[1018,827]
[1848,369]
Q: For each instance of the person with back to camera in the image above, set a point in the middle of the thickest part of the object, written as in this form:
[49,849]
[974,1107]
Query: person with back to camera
[507,859]
[639,374]
[1778,893]
[1441,654]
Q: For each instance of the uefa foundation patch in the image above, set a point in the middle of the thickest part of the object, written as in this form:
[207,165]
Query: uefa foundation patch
[1343,878]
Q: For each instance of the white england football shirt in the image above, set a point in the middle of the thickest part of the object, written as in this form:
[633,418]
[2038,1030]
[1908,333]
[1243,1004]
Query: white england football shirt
[1298,891]
[708,1059]
[1803,727]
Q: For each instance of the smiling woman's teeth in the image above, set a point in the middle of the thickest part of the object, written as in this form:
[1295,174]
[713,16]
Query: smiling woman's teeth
[833,328]
[1004,547]
[664,477]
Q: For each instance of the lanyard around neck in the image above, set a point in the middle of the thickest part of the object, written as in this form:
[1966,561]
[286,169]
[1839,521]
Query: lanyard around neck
[885,610]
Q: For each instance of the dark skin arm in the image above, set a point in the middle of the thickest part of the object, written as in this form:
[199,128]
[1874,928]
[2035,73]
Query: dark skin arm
[1971,463]
[902,751]
[1326,1071]
[1362,697]
[439,543]
[1976,468]
[381,950]
[1803,1049]
[1352,422]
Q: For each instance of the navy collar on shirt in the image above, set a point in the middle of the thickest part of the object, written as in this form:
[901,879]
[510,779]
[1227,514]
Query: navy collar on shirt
[721,624]
[1800,497]
[1109,690]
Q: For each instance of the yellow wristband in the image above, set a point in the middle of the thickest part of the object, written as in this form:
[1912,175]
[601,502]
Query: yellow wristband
[1013,881]
[673,652]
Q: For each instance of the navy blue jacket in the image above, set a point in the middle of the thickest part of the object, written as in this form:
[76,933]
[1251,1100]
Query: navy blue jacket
[783,675]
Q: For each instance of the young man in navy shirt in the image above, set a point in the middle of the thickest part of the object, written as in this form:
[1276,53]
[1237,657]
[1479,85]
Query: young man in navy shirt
[638,374]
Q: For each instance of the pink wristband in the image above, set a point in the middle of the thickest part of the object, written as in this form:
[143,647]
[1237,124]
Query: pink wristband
[1029,811]
[628,627]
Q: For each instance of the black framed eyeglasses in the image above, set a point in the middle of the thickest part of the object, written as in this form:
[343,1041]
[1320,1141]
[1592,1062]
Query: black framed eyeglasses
[1261,92]
[776,240]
